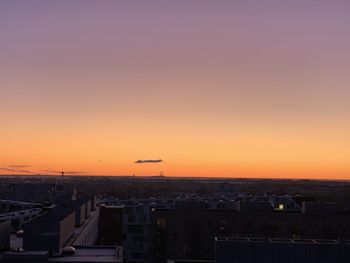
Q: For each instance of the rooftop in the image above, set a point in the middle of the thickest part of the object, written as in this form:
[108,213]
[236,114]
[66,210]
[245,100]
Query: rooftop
[92,254]
[277,240]
[100,254]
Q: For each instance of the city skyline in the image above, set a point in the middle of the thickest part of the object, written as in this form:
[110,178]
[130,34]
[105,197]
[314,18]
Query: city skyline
[224,89]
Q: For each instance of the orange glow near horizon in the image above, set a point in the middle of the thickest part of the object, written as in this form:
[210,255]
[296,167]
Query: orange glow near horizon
[231,151]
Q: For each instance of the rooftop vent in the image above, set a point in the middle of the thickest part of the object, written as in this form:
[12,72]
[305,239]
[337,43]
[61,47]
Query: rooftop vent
[68,250]
[19,233]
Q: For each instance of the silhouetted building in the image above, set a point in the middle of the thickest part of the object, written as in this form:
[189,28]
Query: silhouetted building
[70,223]
[259,250]
[136,226]
[35,192]
[110,226]
[7,206]
[82,208]
[49,231]
[188,231]
[5,232]
[18,218]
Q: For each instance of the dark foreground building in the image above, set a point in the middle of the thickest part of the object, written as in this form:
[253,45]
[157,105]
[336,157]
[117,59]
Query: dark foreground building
[259,250]
[110,226]
[5,228]
[70,223]
[188,231]
[49,231]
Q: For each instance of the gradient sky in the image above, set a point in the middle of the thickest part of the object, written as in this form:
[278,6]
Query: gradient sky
[214,88]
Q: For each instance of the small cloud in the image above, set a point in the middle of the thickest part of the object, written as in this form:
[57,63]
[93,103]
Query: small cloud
[7,169]
[18,166]
[149,161]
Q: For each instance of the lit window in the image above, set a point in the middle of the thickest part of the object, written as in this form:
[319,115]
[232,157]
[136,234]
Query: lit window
[161,223]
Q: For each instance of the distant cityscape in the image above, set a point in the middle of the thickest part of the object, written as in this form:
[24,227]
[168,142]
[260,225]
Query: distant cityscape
[174,131]
[160,219]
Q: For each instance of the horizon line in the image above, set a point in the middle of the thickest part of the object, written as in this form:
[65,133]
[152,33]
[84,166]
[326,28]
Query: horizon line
[180,177]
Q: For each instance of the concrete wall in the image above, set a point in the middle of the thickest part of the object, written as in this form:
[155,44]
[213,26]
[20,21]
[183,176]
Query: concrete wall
[49,231]
[5,234]
[66,227]
[88,209]
[89,234]
[81,215]
[93,203]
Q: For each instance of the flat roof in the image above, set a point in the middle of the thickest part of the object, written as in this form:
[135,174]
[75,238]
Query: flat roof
[276,240]
[92,254]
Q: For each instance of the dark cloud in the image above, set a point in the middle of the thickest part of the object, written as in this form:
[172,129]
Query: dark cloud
[18,166]
[149,161]
[13,170]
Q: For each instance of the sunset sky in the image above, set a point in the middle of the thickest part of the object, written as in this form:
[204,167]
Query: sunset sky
[213,88]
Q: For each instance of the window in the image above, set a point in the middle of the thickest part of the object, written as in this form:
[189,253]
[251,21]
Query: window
[135,229]
[161,223]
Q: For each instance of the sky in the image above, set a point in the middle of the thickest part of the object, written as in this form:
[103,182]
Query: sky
[212,88]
